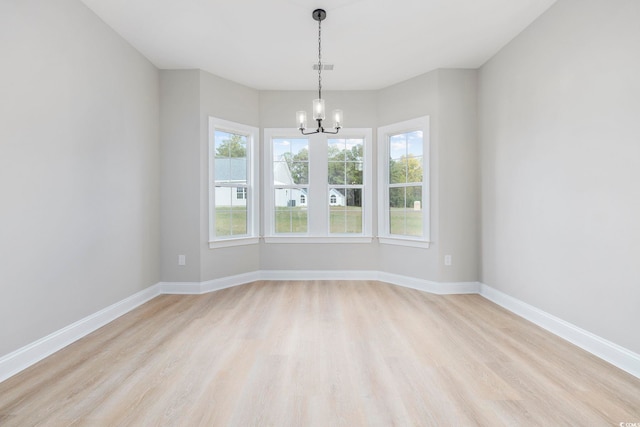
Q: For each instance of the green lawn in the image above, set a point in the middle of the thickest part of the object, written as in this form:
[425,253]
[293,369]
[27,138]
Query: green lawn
[345,219]
[406,222]
[231,221]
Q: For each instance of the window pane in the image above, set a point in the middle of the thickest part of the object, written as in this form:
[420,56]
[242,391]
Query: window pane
[291,161]
[283,220]
[414,143]
[238,220]
[405,157]
[299,220]
[396,210]
[222,169]
[398,146]
[397,171]
[405,211]
[230,157]
[336,150]
[346,160]
[414,169]
[414,211]
[354,173]
[290,210]
[230,145]
[231,212]
[299,172]
[345,210]
[355,150]
[337,173]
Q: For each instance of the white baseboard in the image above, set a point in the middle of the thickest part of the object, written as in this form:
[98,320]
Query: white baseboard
[318,275]
[30,354]
[439,288]
[606,350]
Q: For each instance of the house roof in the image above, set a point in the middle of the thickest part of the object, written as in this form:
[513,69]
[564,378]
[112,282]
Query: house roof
[230,169]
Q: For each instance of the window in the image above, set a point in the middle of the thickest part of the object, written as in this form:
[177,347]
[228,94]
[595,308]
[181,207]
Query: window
[233,202]
[290,161]
[319,186]
[404,159]
[345,180]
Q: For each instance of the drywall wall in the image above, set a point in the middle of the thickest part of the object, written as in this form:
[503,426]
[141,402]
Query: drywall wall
[180,177]
[448,97]
[188,99]
[560,167]
[229,101]
[79,169]
[458,183]
[407,100]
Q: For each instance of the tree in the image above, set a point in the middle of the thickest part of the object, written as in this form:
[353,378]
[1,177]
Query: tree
[406,170]
[345,166]
[236,146]
[298,166]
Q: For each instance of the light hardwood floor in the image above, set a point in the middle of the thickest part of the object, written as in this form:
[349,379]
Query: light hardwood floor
[320,353]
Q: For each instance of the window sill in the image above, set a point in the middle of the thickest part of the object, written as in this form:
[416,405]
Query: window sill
[324,239]
[404,242]
[240,241]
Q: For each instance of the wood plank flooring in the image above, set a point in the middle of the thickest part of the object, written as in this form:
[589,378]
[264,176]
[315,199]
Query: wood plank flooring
[320,353]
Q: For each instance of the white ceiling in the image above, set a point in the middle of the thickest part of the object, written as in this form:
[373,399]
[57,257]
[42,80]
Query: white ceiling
[272,44]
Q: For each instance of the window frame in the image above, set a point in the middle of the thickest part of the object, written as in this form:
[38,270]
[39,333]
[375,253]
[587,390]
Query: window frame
[384,134]
[318,188]
[251,188]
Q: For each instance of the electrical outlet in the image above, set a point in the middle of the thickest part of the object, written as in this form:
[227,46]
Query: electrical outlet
[182,260]
[447,260]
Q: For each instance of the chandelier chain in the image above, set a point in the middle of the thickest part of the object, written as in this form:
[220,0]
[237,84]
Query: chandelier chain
[320,59]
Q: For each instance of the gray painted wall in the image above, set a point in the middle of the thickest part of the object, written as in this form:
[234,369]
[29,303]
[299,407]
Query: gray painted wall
[448,97]
[560,152]
[189,98]
[229,101]
[79,169]
[180,174]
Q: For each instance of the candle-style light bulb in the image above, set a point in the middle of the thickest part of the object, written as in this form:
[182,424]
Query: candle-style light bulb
[318,109]
[301,117]
[337,119]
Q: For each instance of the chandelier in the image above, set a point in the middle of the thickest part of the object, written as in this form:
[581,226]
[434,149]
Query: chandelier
[318,104]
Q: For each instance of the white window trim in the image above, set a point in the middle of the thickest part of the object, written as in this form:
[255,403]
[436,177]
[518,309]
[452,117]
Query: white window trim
[384,236]
[318,230]
[253,201]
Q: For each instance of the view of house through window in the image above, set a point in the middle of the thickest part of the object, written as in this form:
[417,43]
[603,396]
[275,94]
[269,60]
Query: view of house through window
[290,184]
[230,184]
[345,179]
[320,186]
[233,179]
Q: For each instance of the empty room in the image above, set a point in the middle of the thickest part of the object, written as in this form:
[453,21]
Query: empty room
[315,213]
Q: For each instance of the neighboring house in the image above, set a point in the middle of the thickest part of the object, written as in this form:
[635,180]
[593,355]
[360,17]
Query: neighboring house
[234,170]
[336,198]
[287,196]
[231,171]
